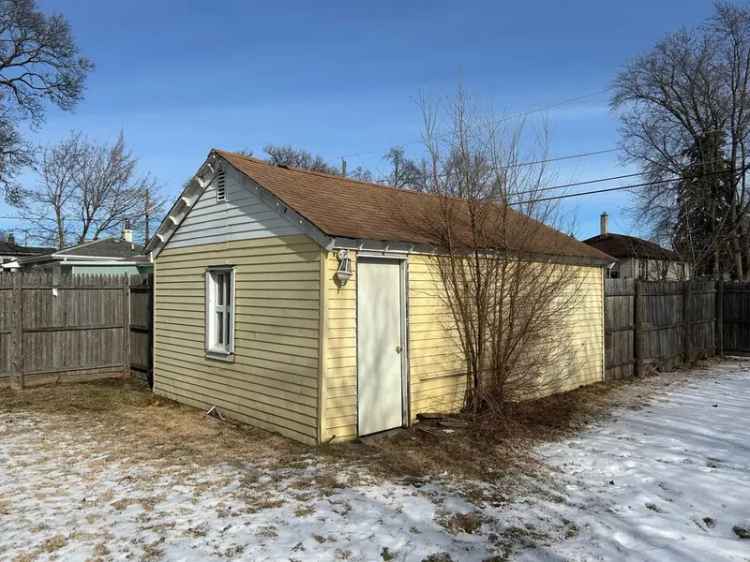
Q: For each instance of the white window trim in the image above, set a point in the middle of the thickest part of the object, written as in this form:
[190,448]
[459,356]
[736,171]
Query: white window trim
[213,350]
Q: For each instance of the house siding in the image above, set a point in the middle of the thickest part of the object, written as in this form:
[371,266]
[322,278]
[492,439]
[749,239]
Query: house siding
[436,369]
[273,381]
[341,364]
[436,365]
[242,216]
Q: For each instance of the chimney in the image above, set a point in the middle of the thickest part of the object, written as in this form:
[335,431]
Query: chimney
[604,224]
[127,232]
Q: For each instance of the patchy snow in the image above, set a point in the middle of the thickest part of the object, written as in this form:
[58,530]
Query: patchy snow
[668,481]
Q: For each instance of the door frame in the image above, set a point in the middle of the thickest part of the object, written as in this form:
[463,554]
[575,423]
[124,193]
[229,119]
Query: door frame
[403,263]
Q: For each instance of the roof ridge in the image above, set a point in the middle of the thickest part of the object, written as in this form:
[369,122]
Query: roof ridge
[82,244]
[97,241]
[324,175]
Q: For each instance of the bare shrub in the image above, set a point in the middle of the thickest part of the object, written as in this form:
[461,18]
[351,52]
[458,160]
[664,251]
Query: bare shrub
[508,290]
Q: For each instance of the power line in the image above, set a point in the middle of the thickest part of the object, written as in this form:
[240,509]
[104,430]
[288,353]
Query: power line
[559,158]
[608,189]
[612,178]
[555,105]
[579,183]
[516,115]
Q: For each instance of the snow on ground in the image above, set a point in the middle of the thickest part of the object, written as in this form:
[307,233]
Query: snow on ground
[667,481]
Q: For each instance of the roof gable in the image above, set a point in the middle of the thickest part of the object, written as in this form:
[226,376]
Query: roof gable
[241,214]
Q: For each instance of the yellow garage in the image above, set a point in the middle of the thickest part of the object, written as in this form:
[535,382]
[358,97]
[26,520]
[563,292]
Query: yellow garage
[306,304]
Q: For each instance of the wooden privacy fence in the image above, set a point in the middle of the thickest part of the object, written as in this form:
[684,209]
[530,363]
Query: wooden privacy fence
[735,335]
[664,323]
[54,326]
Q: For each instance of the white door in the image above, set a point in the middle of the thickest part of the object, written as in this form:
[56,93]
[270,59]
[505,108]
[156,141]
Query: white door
[379,383]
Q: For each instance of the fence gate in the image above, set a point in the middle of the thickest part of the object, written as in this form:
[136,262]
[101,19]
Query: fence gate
[141,316]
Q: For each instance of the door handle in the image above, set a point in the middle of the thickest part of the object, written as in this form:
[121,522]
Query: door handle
[398,349]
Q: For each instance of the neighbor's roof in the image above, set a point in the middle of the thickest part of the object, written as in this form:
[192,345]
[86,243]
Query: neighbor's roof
[106,247]
[341,207]
[623,246]
[11,249]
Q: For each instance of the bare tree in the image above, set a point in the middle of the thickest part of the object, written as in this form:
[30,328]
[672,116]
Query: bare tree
[87,191]
[361,173]
[47,207]
[508,298]
[687,114]
[39,63]
[298,158]
[404,172]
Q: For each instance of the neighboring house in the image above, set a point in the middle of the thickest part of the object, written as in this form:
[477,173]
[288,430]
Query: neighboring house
[11,252]
[108,256]
[304,303]
[638,258]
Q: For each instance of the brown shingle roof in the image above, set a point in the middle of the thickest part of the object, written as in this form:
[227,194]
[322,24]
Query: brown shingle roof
[12,249]
[352,209]
[623,246]
[106,247]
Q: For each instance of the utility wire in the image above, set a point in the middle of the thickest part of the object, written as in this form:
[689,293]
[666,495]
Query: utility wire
[559,158]
[609,189]
[612,178]
[538,109]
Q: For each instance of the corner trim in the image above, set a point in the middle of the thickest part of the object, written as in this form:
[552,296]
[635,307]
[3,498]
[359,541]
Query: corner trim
[323,350]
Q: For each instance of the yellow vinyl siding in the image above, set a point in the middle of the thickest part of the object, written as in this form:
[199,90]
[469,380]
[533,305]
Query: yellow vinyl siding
[273,381]
[341,372]
[436,367]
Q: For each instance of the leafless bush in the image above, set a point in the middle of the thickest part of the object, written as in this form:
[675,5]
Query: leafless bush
[507,292]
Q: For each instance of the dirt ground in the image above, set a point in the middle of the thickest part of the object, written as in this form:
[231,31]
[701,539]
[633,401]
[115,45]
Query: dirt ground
[108,471]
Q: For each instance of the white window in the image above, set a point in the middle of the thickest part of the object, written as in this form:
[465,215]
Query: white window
[220,311]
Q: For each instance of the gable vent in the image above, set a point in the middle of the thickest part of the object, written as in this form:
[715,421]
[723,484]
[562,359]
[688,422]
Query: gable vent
[221,192]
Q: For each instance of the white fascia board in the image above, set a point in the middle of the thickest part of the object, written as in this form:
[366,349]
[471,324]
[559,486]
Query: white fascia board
[101,258]
[182,206]
[111,262]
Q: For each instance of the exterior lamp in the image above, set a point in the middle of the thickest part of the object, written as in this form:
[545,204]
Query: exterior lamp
[344,271]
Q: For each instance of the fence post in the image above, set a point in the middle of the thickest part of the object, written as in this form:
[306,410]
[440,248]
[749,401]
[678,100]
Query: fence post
[719,317]
[126,325]
[636,328]
[18,375]
[686,327]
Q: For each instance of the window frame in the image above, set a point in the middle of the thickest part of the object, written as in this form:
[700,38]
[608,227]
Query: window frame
[213,348]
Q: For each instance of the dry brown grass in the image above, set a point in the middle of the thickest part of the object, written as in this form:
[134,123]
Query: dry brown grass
[132,424]
[494,448]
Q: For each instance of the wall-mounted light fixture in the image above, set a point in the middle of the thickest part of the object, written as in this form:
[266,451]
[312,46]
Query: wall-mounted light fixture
[344,271]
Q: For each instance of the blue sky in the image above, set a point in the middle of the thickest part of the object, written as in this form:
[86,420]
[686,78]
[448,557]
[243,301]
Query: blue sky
[340,78]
